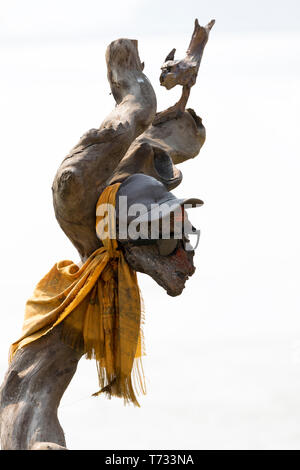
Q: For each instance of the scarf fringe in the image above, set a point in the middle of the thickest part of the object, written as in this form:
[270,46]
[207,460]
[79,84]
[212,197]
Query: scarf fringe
[126,387]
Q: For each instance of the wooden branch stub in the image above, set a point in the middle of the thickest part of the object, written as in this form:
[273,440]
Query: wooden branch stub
[171,55]
[184,72]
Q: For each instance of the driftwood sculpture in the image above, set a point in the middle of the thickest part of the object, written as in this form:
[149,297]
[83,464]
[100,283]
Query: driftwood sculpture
[133,139]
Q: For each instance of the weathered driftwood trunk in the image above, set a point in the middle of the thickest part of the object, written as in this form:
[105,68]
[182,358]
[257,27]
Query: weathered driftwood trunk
[31,393]
[132,139]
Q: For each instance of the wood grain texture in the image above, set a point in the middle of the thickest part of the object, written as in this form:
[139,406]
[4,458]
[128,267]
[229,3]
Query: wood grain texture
[83,173]
[31,393]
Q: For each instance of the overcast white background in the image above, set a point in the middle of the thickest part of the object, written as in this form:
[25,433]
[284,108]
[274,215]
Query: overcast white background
[223,359]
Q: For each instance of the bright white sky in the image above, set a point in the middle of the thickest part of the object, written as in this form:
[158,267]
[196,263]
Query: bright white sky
[223,359]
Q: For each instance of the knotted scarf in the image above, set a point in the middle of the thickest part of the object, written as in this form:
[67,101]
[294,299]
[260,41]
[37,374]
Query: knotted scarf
[99,307]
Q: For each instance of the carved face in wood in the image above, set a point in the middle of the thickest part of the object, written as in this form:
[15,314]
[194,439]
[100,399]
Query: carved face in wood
[170,272]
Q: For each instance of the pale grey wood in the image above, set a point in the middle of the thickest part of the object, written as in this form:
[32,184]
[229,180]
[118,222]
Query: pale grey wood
[31,392]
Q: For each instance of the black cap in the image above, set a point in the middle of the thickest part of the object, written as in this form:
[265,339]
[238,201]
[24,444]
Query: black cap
[146,190]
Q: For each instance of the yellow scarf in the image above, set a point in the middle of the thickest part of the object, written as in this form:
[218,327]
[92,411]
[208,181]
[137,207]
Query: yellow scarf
[99,307]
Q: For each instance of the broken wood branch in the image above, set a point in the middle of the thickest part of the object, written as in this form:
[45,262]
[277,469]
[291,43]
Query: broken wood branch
[183,72]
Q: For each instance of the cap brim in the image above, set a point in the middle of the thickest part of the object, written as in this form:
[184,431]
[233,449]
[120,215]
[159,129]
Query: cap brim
[166,207]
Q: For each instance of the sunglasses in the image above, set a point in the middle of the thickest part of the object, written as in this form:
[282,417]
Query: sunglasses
[168,246]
